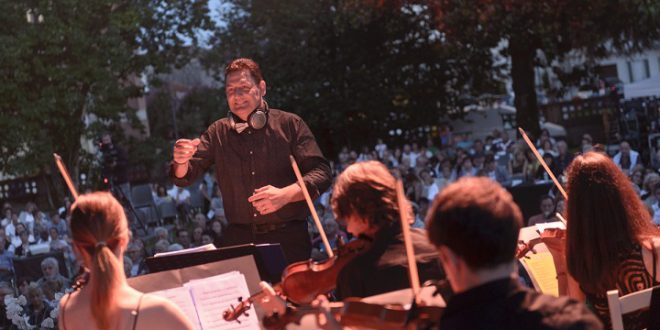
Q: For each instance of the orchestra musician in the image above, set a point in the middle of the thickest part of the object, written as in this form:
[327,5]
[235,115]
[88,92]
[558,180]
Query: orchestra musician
[610,241]
[474,224]
[364,197]
[99,231]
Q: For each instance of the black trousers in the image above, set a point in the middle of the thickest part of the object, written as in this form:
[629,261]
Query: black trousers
[293,238]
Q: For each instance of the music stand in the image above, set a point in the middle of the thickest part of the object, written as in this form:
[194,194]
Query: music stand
[269,259]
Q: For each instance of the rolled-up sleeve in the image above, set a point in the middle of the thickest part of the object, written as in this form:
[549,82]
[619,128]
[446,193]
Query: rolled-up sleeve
[314,167]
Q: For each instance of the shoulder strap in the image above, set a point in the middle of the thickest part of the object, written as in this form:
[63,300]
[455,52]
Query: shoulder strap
[136,312]
[655,262]
[68,296]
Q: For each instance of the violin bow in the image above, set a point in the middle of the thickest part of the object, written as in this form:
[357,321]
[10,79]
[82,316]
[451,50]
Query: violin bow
[540,159]
[65,175]
[312,209]
[405,228]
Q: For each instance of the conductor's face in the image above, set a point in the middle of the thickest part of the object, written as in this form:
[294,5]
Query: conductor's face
[243,93]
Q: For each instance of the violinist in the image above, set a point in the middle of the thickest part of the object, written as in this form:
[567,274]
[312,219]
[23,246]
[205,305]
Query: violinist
[474,224]
[610,241]
[364,197]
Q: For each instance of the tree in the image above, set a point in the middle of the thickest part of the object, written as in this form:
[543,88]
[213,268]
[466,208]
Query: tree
[197,108]
[536,33]
[351,69]
[69,67]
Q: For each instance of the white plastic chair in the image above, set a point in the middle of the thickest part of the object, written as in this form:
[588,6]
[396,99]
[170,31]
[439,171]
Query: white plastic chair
[626,304]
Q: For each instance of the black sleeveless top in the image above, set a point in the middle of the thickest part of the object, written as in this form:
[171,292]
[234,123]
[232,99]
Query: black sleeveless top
[632,277]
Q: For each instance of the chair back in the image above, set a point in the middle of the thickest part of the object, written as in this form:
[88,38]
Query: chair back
[141,196]
[626,304]
[167,210]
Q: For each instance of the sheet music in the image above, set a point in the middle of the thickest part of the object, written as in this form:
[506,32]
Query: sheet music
[541,268]
[213,295]
[206,247]
[555,224]
[181,297]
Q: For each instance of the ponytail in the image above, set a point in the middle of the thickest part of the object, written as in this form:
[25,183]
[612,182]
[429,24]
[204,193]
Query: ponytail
[99,229]
[103,278]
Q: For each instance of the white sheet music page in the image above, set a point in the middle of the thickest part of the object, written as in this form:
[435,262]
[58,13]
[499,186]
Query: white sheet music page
[207,247]
[215,294]
[181,297]
[547,225]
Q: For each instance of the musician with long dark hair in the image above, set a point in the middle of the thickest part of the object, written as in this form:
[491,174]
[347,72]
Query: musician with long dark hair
[611,242]
[364,197]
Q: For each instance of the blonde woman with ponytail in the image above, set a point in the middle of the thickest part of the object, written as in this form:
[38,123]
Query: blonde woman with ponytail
[100,235]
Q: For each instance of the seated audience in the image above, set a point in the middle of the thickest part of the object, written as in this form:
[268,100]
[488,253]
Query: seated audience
[51,271]
[547,208]
[38,308]
[23,250]
[6,265]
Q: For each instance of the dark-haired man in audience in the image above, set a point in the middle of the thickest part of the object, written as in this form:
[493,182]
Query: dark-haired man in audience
[547,206]
[474,224]
[56,222]
[494,172]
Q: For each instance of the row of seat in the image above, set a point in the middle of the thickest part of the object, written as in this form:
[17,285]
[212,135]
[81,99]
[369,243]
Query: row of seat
[144,204]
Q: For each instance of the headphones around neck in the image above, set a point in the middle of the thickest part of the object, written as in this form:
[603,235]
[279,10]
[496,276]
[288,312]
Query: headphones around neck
[257,119]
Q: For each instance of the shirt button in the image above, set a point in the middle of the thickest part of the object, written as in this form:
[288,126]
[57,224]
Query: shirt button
[253,173]
[255,214]
[250,152]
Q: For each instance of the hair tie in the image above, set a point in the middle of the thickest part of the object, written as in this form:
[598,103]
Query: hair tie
[100,245]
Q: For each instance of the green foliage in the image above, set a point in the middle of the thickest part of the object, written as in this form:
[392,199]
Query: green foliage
[68,68]
[197,109]
[352,69]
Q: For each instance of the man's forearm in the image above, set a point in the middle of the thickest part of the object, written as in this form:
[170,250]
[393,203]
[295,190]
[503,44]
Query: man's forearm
[294,193]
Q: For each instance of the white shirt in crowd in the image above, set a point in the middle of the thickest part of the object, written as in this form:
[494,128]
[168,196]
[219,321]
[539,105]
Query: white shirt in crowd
[656,213]
[179,194]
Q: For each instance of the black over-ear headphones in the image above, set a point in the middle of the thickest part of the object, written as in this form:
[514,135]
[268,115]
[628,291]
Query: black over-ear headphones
[256,120]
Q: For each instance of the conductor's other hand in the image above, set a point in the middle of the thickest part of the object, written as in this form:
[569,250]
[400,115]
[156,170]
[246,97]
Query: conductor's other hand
[184,149]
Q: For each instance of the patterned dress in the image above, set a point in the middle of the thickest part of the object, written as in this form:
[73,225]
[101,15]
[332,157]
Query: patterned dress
[632,277]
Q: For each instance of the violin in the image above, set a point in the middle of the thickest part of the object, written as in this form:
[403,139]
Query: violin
[355,313]
[523,248]
[303,281]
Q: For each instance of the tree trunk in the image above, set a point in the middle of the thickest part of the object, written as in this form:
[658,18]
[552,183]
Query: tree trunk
[522,74]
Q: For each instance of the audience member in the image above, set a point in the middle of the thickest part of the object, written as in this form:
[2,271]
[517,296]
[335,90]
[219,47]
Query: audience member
[547,208]
[6,265]
[38,308]
[51,271]
[626,159]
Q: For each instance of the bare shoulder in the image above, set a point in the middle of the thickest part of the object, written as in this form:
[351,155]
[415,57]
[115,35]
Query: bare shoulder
[651,243]
[159,313]
[651,251]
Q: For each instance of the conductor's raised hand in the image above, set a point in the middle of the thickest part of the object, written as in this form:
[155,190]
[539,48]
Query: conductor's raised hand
[269,199]
[184,149]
